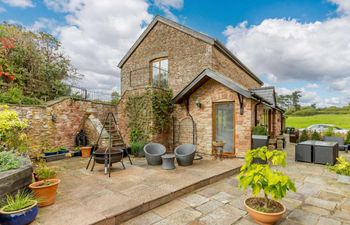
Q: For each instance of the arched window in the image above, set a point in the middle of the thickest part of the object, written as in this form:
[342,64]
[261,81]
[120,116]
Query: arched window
[159,72]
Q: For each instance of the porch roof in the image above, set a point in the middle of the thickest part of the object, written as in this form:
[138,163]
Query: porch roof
[203,77]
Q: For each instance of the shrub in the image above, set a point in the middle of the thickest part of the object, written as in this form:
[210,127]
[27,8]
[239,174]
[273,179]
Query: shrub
[15,96]
[342,167]
[347,138]
[304,136]
[316,136]
[10,160]
[44,172]
[259,130]
[12,129]
[329,132]
[21,200]
[260,177]
[137,148]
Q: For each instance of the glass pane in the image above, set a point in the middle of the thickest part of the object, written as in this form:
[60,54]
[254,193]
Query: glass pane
[224,125]
[155,73]
[164,73]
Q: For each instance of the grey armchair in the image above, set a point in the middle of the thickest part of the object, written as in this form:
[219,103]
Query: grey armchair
[339,140]
[153,153]
[185,154]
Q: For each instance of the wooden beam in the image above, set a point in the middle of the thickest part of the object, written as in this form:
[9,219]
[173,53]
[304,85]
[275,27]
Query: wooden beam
[241,103]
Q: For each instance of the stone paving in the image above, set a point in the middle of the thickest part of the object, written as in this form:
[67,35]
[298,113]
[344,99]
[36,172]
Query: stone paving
[86,197]
[319,200]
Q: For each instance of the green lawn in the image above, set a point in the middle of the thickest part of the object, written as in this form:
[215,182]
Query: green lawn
[340,120]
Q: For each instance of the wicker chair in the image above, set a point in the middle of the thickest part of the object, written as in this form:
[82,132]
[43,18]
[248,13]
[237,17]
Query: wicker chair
[153,153]
[185,154]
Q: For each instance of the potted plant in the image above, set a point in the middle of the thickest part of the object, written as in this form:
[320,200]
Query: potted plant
[43,172]
[259,137]
[137,149]
[50,151]
[76,151]
[304,136]
[85,151]
[20,209]
[63,150]
[45,189]
[342,168]
[273,183]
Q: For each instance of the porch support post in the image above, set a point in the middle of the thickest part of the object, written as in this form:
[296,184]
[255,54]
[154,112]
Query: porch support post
[241,103]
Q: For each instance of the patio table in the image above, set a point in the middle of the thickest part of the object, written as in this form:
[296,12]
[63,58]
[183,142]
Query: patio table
[168,161]
[303,151]
[325,152]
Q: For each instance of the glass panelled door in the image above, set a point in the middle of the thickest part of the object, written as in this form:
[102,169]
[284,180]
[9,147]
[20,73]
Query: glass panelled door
[224,125]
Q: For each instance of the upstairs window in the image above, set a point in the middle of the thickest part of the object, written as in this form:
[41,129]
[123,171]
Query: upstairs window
[159,72]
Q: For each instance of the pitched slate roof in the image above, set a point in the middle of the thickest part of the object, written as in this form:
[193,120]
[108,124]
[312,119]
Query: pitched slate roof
[192,33]
[268,93]
[203,77]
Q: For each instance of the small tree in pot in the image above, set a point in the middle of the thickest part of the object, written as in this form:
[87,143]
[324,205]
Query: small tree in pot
[273,183]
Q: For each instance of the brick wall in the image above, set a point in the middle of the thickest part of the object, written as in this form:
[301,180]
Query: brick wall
[44,133]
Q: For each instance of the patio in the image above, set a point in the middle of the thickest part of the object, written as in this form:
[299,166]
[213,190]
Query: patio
[319,199]
[86,197]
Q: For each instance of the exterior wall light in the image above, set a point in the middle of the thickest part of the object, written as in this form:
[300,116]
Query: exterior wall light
[198,103]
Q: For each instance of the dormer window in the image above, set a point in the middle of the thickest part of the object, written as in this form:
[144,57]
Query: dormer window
[159,72]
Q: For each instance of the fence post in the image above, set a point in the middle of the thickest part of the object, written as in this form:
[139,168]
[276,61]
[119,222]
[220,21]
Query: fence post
[85,94]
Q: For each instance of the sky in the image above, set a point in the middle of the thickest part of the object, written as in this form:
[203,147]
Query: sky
[293,45]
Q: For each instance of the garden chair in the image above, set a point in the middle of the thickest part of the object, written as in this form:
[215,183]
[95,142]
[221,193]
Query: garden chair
[153,153]
[185,154]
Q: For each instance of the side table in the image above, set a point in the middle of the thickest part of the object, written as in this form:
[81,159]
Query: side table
[168,161]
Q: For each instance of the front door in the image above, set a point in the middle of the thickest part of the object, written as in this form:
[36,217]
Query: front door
[223,129]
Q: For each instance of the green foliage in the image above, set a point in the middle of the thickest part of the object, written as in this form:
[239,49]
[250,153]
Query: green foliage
[316,136]
[290,101]
[51,150]
[14,95]
[342,167]
[10,160]
[23,199]
[329,132]
[304,136]
[259,130]
[260,177]
[44,172]
[136,148]
[136,135]
[115,98]
[36,63]
[149,113]
[347,138]
[12,129]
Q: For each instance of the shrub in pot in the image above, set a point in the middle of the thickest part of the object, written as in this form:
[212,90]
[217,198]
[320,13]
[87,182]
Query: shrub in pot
[51,151]
[342,168]
[304,136]
[63,150]
[20,209]
[43,172]
[76,151]
[46,188]
[137,149]
[273,183]
[259,137]
[315,136]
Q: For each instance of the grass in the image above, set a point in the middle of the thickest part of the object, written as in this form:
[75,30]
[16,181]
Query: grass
[340,120]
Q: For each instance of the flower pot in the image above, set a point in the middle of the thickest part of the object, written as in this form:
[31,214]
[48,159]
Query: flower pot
[85,151]
[259,141]
[76,153]
[45,193]
[263,218]
[343,179]
[50,153]
[63,151]
[19,217]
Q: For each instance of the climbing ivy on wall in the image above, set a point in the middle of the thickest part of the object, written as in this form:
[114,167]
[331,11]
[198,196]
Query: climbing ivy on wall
[149,113]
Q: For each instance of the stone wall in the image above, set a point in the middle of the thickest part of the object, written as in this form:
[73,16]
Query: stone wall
[70,115]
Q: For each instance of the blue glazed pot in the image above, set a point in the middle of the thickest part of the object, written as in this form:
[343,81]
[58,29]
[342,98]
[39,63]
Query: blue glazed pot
[63,151]
[20,217]
[50,153]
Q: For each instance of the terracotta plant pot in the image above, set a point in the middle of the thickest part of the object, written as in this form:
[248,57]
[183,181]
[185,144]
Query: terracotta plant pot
[46,194]
[263,218]
[86,151]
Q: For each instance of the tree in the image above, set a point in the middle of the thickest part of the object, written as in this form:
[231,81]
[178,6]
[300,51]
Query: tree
[34,63]
[296,95]
[115,97]
[291,101]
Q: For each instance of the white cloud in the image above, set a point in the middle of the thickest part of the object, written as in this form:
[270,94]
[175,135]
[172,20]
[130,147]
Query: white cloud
[2,10]
[43,24]
[97,35]
[312,85]
[272,78]
[291,50]
[19,3]
[167,5]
